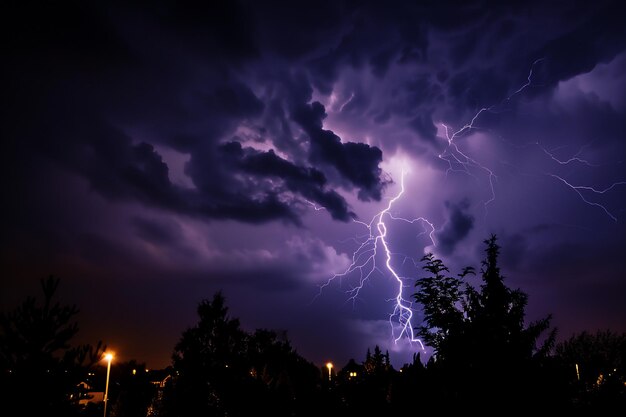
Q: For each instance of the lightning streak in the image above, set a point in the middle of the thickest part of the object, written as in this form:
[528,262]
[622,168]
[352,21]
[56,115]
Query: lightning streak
[580,188]
[315,206]
[364,261]
[574,158]
[459,161]
[366,258]
[466,164]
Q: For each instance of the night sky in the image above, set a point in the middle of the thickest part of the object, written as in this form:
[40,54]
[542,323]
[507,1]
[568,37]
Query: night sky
[154,153]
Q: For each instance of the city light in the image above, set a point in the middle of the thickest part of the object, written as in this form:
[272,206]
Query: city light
[107,357]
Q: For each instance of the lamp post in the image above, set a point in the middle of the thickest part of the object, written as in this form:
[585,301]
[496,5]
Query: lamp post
[108,357]
[329,365]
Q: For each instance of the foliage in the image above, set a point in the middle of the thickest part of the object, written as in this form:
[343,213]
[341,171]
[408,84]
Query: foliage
[378,363]
[486,358]
[368,390]
[132,392]
[595,365]
[36,358]
[216,364]
[478,335]
[441,297]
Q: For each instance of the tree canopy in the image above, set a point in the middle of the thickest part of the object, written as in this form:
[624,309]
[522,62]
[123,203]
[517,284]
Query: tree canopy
[36,358]
[479,336]
[216,364]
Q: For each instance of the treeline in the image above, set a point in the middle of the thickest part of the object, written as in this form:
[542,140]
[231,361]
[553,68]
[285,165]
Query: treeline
[486,359]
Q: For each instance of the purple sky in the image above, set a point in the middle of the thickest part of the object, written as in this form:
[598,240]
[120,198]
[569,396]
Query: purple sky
[153,155]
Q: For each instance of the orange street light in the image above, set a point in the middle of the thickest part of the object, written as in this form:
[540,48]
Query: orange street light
[107,357]
[329,365]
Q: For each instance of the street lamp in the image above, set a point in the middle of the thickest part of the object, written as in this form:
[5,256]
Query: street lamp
[329,365]
[108,357]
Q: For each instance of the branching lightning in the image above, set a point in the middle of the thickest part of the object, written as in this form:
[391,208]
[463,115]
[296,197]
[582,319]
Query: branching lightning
[365,260]
[459,161]
[574,158]
[580,188]
[374,245]
[453,155]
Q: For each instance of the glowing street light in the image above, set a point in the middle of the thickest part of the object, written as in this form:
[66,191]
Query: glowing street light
[329,365]
[108,357]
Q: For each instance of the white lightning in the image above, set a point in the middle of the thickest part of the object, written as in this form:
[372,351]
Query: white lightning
[315,206]
[455,157]
[579,188]
[459,161]
[376,241]
[364,261]
[574,158]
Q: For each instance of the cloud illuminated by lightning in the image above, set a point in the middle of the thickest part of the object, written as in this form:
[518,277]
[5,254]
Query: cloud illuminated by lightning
[366,259]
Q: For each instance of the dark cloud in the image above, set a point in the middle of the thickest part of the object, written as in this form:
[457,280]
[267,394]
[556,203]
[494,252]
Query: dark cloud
[575,264]
[73,33]
[266,280]
[424,127]
[356,162]
[222,27]
[195,113]
[478,88]
[514,250]
[295,30]
[420,90]
[456,228]
[157,231]
[235,117]
[599,38]
[236,101]
[308,182]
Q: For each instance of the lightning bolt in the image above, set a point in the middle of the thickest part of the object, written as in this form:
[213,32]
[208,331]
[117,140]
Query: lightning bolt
[459,161]
[364,258]
[364,261]
[581,190]
[454,156]
[315,206]
[574,158]
[374,244]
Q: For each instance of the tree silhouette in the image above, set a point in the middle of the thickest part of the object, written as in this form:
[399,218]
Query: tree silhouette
[206,360]
[132,392]
[370,391]
[595,366]
[221,370]
[36,358]
[378,363]
[482,347]
[441,297]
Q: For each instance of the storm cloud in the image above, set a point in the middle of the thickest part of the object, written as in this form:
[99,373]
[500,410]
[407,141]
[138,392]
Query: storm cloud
[456,228]
[246,145]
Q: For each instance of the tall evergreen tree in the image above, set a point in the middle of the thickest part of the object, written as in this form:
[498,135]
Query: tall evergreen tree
[207,361]
[222,370]
[39,369]
[479,337]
